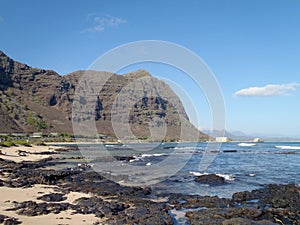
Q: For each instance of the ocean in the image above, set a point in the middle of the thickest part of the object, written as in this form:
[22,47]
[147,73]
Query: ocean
[172,168]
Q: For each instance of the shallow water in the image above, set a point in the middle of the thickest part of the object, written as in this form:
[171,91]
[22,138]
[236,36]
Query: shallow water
[244,166]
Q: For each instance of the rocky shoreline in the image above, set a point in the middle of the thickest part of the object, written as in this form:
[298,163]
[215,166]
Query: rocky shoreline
[106,202]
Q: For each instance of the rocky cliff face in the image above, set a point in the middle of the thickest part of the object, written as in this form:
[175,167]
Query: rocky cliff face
[41,100]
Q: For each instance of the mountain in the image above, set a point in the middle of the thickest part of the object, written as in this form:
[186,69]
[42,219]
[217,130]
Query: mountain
[233,135]
[33,99]
[238,133]
[219,133]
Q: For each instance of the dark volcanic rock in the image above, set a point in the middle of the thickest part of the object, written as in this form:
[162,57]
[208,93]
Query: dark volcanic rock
[31,208]
[124,158]
[211,179]
[284,196]
[6,220]
[275,204]
[225,216]
[98,207]
[116,204]
[54,197]
[2,217]
[12,221]
[148,213]
[92,182]
[194,201]
[278,196]
[242,196]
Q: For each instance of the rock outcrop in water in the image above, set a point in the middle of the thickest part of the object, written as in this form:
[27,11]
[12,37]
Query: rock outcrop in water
[211,179]
[34,99]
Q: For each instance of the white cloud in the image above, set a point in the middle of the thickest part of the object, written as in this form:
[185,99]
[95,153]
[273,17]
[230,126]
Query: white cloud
[268,90]
[104,22]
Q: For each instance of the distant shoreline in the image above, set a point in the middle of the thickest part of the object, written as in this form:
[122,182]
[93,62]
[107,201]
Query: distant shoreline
[118,143]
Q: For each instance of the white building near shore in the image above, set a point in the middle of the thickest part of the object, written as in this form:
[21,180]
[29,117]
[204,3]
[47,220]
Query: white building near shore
[257,140]
[222,139]
[36,135]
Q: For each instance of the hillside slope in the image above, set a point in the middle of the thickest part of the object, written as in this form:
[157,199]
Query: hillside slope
[34,99]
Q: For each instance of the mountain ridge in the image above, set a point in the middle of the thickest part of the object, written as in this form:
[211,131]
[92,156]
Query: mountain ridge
[33,99]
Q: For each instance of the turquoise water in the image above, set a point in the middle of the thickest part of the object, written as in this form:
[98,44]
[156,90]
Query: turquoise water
[244,166]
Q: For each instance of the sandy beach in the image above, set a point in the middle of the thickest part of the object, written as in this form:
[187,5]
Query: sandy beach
[22,153]
[10,195]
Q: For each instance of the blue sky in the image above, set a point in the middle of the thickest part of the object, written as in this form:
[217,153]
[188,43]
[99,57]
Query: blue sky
[245,43]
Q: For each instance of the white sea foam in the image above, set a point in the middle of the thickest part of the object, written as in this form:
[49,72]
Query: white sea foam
[246,144]
[187,148]
[228,177]
[141,157]
[135,159]
[110,146]
[198,173]
[153,155]
[288,147]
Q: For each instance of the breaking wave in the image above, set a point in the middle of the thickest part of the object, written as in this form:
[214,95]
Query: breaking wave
[228,177]
[288,147]
[246,144]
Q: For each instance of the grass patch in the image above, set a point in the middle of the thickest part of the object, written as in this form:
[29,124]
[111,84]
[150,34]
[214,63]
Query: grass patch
[7,144]
[11,143]
[22,142]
